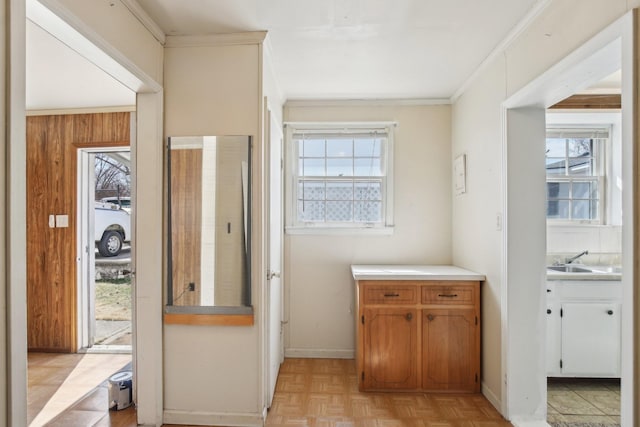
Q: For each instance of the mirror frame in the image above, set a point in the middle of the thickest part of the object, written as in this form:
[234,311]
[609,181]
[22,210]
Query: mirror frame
[246,309]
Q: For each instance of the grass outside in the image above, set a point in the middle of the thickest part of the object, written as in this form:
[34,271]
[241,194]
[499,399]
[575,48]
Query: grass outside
[113,300]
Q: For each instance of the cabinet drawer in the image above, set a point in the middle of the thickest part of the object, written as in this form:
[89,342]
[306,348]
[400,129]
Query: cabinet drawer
[453,294]
[391,295]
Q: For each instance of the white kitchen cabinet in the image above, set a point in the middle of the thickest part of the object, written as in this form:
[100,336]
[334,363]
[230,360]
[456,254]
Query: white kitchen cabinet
[583,328]
[591,339]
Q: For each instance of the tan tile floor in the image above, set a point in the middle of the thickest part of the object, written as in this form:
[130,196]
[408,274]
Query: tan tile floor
[323,393]
[574,400]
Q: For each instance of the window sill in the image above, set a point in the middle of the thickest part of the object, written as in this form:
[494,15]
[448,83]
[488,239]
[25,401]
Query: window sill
[204,316]
[340,231]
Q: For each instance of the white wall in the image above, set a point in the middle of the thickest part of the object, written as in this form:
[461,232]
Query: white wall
[319,286]
[212,373]
[558,30]
[478,215]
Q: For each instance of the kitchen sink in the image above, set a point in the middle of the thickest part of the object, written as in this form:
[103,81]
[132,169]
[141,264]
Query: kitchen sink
[567,268]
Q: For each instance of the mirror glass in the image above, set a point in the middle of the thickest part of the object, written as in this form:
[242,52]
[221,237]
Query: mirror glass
[209,195]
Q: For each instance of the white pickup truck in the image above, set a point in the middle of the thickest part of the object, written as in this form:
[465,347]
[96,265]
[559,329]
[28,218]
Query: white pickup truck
[112,227]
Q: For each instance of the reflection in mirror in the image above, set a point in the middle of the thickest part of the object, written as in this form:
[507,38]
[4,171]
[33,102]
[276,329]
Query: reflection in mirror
[209,229]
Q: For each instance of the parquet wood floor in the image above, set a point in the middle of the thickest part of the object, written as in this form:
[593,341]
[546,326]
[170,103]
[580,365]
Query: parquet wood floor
[324,393]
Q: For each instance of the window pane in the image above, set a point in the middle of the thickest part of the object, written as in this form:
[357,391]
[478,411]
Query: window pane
[312,148]
[556,147]
[579,147]
[340,211]
[368,147]
[581,209]
[368,167]
[311,190]
[368,211]
[340,167]
[584,190]
[581,166]
[339,191]
[555,166]
[558,209]
[557,190]
[311,211]
[340,148]
[368,190]
[312,167]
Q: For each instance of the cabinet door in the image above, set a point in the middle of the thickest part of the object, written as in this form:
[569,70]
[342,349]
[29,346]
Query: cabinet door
[450,350]
[390,348]
[591,339]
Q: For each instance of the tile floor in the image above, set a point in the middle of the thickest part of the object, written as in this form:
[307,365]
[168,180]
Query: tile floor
[583,400]
[324,393]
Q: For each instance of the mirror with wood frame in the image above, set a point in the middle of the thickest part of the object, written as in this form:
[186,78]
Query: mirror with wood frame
[209,212]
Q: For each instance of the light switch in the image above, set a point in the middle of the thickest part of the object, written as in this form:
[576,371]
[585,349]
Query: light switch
[62,221]
[52,221]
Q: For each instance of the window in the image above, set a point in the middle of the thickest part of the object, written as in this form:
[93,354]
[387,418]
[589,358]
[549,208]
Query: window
[574,164]
[339,177]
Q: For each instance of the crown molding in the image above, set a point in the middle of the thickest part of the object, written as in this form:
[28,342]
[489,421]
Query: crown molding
[515,32]
[146,20]
[250,37]
[297,103]
[88,110]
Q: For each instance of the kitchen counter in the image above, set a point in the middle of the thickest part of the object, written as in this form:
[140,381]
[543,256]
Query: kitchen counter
[413,272]
[592,273]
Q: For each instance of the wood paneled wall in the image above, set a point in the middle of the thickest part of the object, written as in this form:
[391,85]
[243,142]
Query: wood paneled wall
[52,144]
[186,225]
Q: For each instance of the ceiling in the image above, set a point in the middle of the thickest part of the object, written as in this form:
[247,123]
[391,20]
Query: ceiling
[322,49]
[336,49]
[329,49]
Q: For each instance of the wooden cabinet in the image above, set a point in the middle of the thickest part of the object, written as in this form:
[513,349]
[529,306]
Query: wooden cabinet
[418,335]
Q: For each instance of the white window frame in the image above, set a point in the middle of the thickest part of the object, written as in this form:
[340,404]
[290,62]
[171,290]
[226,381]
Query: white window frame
[293,224]
[603,135]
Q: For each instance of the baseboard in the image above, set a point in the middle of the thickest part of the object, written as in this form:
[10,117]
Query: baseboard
[492,398]
[309,353]
[212,419]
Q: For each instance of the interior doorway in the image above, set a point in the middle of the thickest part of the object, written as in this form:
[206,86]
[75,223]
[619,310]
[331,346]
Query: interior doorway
[584,247]
[104,275]
[526,245]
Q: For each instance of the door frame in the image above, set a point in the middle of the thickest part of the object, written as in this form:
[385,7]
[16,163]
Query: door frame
[274,275]
[85,245]
[523,264]
[147,194]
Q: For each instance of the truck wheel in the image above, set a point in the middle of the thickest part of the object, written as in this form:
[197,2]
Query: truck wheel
[110,244]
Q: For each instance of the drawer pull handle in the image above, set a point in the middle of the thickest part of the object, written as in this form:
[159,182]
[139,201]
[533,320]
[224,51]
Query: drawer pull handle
[448,295]
[430,317]
[391,295]
[409,316]
[610,312]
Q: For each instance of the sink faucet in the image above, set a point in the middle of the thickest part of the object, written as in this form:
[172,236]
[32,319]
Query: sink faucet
[575,257]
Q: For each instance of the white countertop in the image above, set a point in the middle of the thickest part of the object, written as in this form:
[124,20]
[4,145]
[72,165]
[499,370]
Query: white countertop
[413,272]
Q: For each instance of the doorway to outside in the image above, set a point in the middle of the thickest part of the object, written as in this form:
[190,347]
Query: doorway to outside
[104,282]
